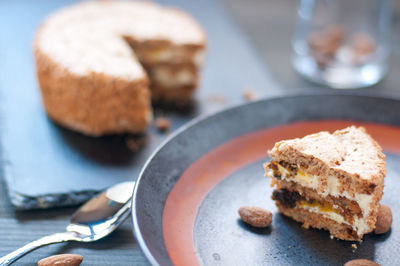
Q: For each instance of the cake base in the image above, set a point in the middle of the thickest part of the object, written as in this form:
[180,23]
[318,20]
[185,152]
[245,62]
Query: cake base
[177,97]
[315,220]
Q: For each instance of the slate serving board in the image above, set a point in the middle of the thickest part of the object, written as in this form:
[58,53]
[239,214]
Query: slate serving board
[45,165]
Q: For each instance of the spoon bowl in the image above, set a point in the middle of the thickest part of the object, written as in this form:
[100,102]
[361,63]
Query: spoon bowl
[96,219]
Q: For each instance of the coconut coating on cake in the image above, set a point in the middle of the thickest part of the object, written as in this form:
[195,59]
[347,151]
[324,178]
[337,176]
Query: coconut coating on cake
[339,176]
[350,152]
[93,81]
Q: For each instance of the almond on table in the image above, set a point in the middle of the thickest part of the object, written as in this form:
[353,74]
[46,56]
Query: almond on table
[62,260]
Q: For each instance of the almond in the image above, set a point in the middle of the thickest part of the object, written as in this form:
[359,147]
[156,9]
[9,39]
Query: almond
[384,219]
[361,262]
[61,260]
[363,43]
[255,216]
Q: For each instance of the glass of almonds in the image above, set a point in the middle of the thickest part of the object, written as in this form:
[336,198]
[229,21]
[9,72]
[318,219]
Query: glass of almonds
[342,44]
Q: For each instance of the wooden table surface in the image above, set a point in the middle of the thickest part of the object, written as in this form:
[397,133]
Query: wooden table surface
[269,24]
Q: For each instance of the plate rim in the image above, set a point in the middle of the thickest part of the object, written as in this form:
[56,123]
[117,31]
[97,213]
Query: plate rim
[193,122]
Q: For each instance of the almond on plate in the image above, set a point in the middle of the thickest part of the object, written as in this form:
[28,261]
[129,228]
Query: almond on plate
[255,216]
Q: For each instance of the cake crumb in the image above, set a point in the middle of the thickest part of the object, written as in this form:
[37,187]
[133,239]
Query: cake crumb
[248,94]
[354,246]
[163,124]
[134,143]
[331,236]
[217,99]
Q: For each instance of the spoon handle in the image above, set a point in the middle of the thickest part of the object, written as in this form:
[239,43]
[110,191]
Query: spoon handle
[46,240]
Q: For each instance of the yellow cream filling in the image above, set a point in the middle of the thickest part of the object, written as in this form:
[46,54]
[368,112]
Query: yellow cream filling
[158,53]
[300,176]
[300,173]
[360,225]
[325,207]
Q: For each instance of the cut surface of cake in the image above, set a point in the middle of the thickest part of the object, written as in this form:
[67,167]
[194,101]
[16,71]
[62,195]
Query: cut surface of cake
[96,61]
[329,181]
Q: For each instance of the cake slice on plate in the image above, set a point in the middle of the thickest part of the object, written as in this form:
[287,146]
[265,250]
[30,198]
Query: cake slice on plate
[329,181]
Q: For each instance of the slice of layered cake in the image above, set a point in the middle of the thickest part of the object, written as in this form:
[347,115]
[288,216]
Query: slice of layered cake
[329,181]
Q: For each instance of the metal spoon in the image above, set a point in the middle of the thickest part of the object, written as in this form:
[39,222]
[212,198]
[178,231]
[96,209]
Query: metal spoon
[94,220]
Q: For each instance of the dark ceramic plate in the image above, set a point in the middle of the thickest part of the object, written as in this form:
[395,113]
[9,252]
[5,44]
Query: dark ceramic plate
[186,198]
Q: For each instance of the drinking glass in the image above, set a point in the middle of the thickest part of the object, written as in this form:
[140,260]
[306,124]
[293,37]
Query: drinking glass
[342,43]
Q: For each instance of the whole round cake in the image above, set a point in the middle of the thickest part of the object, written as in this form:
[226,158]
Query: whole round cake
[98,63]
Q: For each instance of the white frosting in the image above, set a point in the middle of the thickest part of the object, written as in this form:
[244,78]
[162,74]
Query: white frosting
[173,55]
[359,225]
[350,150]
[88,37]
[301,178]
[312,181]
[174,79]
[328,214]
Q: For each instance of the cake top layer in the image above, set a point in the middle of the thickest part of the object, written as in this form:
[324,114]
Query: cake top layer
[88,37]
[351,150]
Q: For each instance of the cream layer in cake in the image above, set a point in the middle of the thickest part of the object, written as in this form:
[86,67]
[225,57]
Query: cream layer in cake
[330,186]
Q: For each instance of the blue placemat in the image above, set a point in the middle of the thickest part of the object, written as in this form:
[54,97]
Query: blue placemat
[45,165]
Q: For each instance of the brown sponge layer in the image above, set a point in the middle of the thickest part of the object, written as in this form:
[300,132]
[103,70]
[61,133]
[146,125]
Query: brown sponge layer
[94,104]
[148,50]
[178,97]
[346,207]
[315,220]
[350,155]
